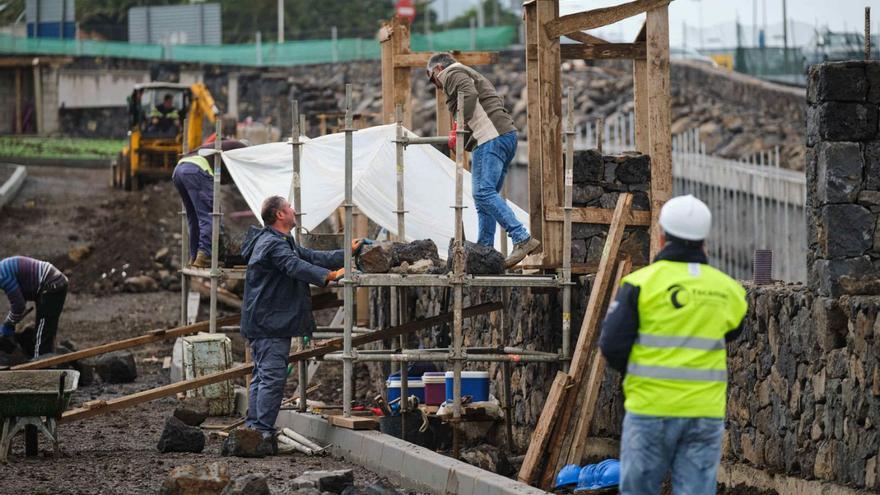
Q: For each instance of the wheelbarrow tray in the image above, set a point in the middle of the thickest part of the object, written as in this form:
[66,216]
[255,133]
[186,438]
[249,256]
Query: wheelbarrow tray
[36,392]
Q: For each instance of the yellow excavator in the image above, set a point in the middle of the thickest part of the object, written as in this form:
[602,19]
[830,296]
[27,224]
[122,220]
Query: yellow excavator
[157,112]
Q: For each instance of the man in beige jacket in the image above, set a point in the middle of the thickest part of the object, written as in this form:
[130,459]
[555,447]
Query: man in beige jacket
[492,140]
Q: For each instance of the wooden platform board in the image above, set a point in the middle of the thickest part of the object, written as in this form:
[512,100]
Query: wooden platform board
[354,422]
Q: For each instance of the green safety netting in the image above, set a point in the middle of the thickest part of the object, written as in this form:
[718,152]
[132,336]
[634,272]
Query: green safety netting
[270,54]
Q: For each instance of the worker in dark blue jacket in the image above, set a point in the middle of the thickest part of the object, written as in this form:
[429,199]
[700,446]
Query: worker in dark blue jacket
[277,303]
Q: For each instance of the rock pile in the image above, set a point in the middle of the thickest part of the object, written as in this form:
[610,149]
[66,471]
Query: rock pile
[116,367]
[178,436]
[419,256]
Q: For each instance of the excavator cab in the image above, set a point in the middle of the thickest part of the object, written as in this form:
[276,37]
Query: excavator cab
[157,114]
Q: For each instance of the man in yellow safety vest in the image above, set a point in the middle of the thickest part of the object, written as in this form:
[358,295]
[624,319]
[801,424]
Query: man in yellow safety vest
[666,331]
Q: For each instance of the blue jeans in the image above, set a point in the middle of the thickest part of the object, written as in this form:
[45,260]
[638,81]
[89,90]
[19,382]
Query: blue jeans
[488,167]
[651,446]
[196,189]
[267,382]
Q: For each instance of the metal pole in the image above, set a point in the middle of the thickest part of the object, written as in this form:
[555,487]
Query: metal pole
[867,33]
[281,34]
[184,245]
[348,287]
[457,280]
[401,221]
[600,134]
[566,230]
[295,194]
[215,227]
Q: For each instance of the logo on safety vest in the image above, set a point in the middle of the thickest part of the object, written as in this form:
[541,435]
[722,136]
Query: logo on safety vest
[678,296]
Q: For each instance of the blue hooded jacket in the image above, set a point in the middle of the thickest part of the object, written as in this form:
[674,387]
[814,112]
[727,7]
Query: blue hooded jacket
[277,301]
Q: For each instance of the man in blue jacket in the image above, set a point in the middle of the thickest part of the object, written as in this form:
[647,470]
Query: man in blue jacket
[277,303]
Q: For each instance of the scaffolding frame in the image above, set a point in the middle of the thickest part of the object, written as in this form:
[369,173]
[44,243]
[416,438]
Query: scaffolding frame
[457,280]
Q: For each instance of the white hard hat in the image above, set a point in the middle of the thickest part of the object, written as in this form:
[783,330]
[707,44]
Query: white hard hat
[686,217]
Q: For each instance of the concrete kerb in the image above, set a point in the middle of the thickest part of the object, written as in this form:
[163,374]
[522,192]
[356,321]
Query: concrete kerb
[407,464]
[12,185]
[59,162]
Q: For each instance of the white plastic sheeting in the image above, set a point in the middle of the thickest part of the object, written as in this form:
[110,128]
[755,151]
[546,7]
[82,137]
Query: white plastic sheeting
[429,183]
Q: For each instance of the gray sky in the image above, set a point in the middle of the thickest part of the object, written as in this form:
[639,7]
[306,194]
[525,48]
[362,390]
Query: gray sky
[836,14]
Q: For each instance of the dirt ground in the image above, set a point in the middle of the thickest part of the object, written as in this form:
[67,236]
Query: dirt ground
[56,211]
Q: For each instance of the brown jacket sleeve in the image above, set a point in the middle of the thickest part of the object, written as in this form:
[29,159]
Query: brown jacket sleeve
[458,82]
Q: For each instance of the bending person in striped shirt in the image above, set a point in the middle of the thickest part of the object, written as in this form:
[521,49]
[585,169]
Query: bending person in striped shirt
[26,279]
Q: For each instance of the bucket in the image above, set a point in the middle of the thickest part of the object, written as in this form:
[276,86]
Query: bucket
[435,387]
[473,383]
[204,354]
[414,387]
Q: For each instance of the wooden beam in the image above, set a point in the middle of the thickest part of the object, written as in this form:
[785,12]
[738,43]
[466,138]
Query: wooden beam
[562,441]
[600,216]
[585,38]
[592,19]
[149,337]
[659,133]
[419,60]
[603,51]
[402,75]
[533,122]
[353,423]
[241,370]
[441,114]
[550,127]
[387,53]
[594,382]
[541,436]
[640,97]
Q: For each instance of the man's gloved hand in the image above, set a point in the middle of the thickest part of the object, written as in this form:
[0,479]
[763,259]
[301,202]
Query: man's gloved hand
[358,244]
[7,330]
[452,136]
[335,275]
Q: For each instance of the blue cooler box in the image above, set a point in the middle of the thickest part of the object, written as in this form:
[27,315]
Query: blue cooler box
[414,387]
[473,383]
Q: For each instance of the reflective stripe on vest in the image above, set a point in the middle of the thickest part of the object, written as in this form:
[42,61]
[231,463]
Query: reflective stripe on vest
[678,365]
[200,162]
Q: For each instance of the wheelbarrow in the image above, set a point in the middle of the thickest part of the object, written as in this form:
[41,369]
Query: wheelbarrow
[33,401]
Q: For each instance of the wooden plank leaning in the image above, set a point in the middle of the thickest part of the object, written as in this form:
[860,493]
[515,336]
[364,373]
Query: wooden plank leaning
[561,441]
[593,383]
[241,370]
[149,337]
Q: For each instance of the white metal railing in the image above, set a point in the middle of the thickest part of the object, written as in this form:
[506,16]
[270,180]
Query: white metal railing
[755,203]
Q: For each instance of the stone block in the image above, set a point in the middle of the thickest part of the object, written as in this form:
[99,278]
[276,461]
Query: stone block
[831,330]
[851,276]
[196,480]
[837,81]
[588,166]
[116,367]
[376,258]
[479,259]
[578,250]
[594,249]
[837,121]
[871,152]
[249,484]
[414,251]
[632,168]
[586,194]
[839,172]
[325,481]
[587,230]
[845,230]
[244,442]
[178,436]
[193,410]
[872,73]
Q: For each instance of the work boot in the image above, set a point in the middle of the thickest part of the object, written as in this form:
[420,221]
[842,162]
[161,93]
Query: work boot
[203,260]
[521,250]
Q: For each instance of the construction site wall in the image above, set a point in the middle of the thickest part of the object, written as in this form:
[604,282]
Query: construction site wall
[804,377]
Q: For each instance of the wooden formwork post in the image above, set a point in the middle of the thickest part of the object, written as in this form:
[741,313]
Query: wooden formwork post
[442,114]
[396,81]
[640,100]
[659,132]
[533,123]
[550,128]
